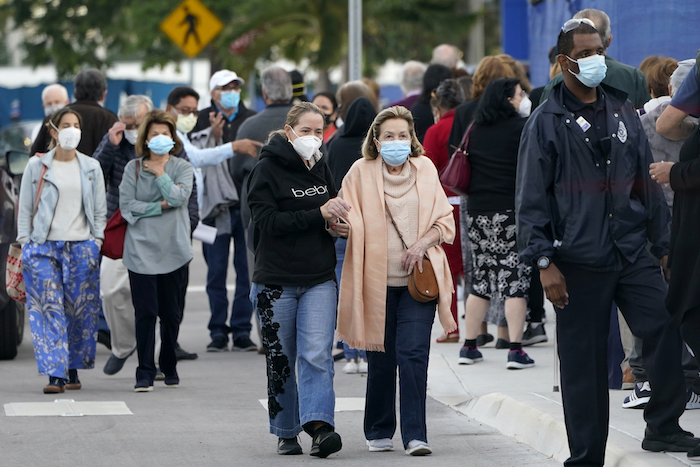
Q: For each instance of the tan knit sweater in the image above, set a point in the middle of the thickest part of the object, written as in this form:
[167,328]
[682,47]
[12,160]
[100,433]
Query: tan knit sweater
[402,200]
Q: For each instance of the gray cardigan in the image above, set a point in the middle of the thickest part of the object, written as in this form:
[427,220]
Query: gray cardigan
[156,242]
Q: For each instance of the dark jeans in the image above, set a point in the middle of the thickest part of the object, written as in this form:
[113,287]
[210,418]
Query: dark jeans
[639,291]
[407,344]
[216,256]
[157,296]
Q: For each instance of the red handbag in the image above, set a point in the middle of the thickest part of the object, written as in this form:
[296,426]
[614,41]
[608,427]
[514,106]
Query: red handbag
[457,176]
[115,231]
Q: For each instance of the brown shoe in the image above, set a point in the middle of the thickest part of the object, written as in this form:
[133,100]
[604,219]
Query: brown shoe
[55,386]
[73,382]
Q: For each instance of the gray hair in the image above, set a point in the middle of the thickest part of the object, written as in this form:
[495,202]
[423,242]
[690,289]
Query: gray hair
[54,87]
[680,73]
[601,21]
[130,106]
[446,54]
[277,84]
[412,78]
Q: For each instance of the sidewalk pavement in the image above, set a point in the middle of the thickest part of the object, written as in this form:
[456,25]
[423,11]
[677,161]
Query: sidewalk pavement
[523,403]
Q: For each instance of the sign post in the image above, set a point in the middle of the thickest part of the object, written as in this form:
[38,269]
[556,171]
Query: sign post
[191,26]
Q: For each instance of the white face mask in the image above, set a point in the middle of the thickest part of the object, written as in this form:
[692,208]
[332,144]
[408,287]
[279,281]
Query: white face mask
[68,138]
[185,123]
[525,107]
[52,108]
[131,136]
[306,146]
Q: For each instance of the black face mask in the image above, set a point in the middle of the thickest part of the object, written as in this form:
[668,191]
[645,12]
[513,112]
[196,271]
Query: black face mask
[327,120]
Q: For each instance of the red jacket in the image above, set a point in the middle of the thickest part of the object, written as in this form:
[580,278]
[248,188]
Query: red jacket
[435,143]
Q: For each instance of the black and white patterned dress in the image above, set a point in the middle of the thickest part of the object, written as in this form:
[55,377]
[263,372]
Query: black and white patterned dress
[497,270]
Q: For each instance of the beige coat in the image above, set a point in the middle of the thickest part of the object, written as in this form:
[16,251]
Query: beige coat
[362,303]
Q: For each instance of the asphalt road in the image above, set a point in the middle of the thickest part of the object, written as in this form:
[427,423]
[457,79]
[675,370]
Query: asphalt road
[214,418]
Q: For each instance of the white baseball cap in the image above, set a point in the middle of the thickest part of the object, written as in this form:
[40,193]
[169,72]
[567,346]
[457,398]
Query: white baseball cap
[222,78]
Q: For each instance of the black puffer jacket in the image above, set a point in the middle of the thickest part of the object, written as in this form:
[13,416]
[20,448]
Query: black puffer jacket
[569,208]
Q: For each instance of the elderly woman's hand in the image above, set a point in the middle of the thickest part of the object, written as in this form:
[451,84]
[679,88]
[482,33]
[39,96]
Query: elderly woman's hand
[414,256]
[335,208]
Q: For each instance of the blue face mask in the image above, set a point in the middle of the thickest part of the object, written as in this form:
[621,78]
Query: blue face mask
[230,99]
[395,153]
[161,144]
[591,70]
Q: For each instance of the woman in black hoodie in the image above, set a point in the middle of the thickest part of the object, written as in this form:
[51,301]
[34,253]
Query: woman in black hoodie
[295,214]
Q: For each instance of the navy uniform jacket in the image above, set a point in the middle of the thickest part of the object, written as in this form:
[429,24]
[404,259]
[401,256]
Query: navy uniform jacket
[571,210]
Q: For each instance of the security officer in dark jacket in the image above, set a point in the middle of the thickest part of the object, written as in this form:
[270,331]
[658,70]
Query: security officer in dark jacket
[585,207]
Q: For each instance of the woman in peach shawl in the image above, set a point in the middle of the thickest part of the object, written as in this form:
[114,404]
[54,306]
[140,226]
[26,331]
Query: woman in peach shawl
[376,311]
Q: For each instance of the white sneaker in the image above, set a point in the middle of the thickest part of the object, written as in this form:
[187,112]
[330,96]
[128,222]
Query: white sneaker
[693,401]
[380,445]
[350,367]
[362,366]
[418,448]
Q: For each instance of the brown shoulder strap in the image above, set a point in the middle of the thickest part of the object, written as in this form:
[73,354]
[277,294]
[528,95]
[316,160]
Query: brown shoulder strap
[395,226]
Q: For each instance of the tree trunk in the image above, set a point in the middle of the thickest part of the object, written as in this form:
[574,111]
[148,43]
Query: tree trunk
[323,82]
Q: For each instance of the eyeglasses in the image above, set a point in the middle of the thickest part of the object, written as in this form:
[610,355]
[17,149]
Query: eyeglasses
[194,112]
[574,23]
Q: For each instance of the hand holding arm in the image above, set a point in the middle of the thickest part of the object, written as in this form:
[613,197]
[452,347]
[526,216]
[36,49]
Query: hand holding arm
[335,208]
[661,171]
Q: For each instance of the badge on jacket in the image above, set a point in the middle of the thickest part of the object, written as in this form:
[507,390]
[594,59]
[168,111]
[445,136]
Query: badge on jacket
[622,132]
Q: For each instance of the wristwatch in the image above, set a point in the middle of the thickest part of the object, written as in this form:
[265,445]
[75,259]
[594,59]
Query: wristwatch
[543,262]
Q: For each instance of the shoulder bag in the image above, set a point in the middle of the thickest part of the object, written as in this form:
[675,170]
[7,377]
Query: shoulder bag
[422,286]
[14,280]
[115,231]
[457,176]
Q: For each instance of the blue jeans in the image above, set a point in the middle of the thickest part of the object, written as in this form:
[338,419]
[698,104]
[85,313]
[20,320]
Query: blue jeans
[297,330]
[216,256]
[340,245]
[407,344]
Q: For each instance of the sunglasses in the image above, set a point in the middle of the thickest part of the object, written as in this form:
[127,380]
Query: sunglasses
[574,23]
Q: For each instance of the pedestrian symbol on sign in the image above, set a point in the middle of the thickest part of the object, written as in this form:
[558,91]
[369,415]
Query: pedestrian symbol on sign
[191,26]
[191,22]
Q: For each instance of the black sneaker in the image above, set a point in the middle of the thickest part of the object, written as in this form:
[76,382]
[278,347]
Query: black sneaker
[182,354]
[73,382]
[55,386]
[218,344]
[694,454]
[288,446]
[159,375]
[143,386]
[244,344]
[325,443]
[483,339]
[172,381]
[502,344]
[681,441]
[534,335]
[115,364]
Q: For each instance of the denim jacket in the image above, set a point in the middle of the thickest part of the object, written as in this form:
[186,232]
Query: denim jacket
[93,189]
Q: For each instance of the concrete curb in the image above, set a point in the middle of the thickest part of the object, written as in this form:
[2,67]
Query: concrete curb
[528,424]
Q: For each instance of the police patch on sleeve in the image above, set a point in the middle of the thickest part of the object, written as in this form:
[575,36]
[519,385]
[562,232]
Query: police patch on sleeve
[622,132]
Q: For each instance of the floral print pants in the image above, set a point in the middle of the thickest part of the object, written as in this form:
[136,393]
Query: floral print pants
[63,298]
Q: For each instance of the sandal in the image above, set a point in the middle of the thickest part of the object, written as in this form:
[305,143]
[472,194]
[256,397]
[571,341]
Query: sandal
[448,338]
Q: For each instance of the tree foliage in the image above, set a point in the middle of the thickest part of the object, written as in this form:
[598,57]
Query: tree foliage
[75,33]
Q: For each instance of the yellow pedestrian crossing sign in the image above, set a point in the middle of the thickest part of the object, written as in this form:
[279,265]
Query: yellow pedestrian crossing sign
[191,26]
